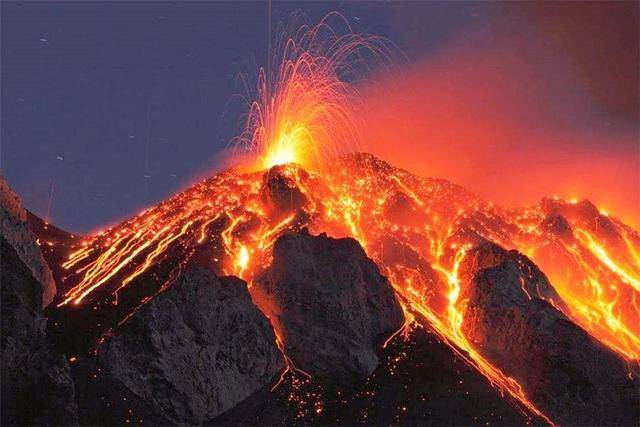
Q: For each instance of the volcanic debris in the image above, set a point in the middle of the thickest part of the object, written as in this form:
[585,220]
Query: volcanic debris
[329,303]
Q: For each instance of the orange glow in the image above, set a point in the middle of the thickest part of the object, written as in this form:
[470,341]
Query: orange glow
[486,115]
[304,110]
[599,251]
[418,230]
[242,260]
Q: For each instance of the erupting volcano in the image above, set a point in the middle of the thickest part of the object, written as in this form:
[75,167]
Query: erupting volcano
[542,301]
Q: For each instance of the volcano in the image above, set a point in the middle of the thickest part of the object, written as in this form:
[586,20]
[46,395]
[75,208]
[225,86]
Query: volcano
[361,293]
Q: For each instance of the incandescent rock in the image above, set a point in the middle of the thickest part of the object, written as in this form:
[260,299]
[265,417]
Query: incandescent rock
[36,384]
[14,228]
[569,375]
[329,303]
[195,350]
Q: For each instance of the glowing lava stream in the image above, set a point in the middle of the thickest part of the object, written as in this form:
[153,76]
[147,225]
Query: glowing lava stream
[452,334]
[428,222]
[601,253]
[416,229]
[429,229]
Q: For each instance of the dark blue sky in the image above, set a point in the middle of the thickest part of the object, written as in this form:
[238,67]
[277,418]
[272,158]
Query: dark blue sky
[118,105]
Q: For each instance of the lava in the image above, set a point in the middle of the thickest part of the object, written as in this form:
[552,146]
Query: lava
[418,230]
[361,200]
[304,107]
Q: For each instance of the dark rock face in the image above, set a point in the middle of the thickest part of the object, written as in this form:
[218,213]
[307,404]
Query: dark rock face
[419,382]
[195,350]
[55,251]
[569,375]
[329,303]
[531,282]
[557,225]
[15,230]
[584,213]
[36,384]
[280,189]
[401,209]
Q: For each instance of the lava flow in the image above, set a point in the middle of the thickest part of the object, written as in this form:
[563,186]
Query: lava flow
[418,230]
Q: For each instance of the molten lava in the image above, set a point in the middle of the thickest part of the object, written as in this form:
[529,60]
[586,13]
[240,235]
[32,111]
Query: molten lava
[304,107]
[418,230]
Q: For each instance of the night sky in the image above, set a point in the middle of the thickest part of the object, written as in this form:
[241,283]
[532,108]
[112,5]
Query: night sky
[115,106]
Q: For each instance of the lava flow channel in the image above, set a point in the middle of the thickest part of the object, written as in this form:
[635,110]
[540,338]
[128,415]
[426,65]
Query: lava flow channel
[417,230]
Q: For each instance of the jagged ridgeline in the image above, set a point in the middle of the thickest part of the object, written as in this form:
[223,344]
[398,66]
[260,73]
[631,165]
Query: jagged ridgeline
[422,303]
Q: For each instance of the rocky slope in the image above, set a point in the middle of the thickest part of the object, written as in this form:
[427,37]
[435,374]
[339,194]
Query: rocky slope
[16,231]
[36,384]
[419,381]
[330,304]
[494,341]
[196,350]
[511,317]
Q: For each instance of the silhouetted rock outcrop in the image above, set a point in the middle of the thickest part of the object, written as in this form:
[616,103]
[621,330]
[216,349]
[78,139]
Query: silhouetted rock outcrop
[15,230]
[330,304]
[36,385]
[195,350]
[568,374]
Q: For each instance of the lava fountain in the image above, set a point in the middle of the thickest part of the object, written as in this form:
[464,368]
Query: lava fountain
[304,106]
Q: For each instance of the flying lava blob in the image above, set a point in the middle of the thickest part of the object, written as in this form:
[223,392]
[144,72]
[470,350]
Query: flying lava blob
[417,230]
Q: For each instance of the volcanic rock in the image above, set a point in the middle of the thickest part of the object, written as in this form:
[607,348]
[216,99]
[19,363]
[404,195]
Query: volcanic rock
[401,209]
[56,250]
[557,225]
[280,191]
[487,254]
[420,381]
[329,304]
[15,230]
[569,375]
[36,384]
[195,350]
[584,213]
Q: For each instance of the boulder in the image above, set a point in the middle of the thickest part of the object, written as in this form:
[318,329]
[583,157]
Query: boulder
[195,350]
[15,230]
[564,371]
[329,304]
